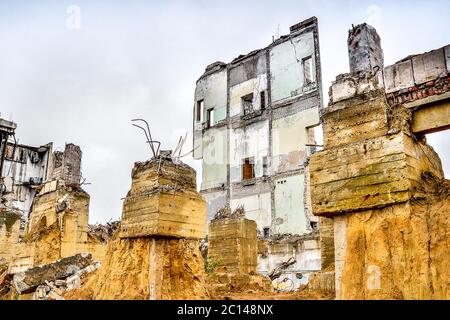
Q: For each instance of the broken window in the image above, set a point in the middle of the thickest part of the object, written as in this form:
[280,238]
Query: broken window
[199,111]
[263,100]
[247,104]
[248,169]
[308,70]
[210,118]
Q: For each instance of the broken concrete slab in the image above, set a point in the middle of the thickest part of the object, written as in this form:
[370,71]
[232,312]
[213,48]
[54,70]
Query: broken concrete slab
[26,282]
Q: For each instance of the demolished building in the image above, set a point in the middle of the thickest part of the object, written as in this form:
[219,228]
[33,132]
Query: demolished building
[253,131]
[377,185]
[45,212]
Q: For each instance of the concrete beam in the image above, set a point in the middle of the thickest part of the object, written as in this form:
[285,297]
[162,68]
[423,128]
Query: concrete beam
[432,118]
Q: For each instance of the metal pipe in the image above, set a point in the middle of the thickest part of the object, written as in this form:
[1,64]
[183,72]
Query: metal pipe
[148,140]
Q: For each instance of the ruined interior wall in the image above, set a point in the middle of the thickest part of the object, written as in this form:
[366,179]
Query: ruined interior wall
[23,168]
[306,253]
[289,215]
[257,208]
[286,67]
[214,165]
[255,85]
[250,67]
[288,153]
[212,89]
[398,252]
[251,141]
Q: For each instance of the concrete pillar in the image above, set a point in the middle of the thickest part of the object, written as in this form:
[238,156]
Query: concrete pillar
[364,49]
[233,245]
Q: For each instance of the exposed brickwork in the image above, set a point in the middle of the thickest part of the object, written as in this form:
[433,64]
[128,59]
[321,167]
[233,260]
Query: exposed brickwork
[418,92]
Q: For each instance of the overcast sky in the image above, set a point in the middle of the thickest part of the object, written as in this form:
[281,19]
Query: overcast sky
[131,59]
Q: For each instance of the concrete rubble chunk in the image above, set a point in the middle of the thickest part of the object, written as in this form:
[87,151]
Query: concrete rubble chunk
[26,282]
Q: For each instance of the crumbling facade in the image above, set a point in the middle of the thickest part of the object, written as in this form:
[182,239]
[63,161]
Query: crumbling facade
[45,212]
[253,130]
[23,169]
[378,181]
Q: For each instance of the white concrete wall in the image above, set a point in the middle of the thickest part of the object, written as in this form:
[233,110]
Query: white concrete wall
[417,70]
[255,86]
[20,173]
[286,66]
[214,158]
[290,216]
[305,252]
[212,89]
[289,137]
[257,207]
[214,201]
[250,141]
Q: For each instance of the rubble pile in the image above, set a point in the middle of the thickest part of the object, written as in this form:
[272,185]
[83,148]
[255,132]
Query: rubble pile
[54,290]
[226,213]
[103,232]
[48,282]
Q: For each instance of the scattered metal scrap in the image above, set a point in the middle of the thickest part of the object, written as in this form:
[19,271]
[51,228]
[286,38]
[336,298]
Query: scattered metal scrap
[174,155]
[278,270]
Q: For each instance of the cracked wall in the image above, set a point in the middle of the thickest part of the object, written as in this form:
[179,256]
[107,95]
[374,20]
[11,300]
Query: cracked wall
[256,156]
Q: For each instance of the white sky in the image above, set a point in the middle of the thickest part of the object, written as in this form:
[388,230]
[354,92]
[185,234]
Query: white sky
[141,59]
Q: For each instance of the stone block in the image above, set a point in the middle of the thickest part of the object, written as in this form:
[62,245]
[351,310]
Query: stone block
[429,66]
[398,76]
[341,90]
[233,244]
[355,122]
[369,174]
[163,201]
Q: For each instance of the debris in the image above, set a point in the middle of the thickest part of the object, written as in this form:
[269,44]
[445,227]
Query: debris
[278,271]
[226,213]
[104,232]
[28,281]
